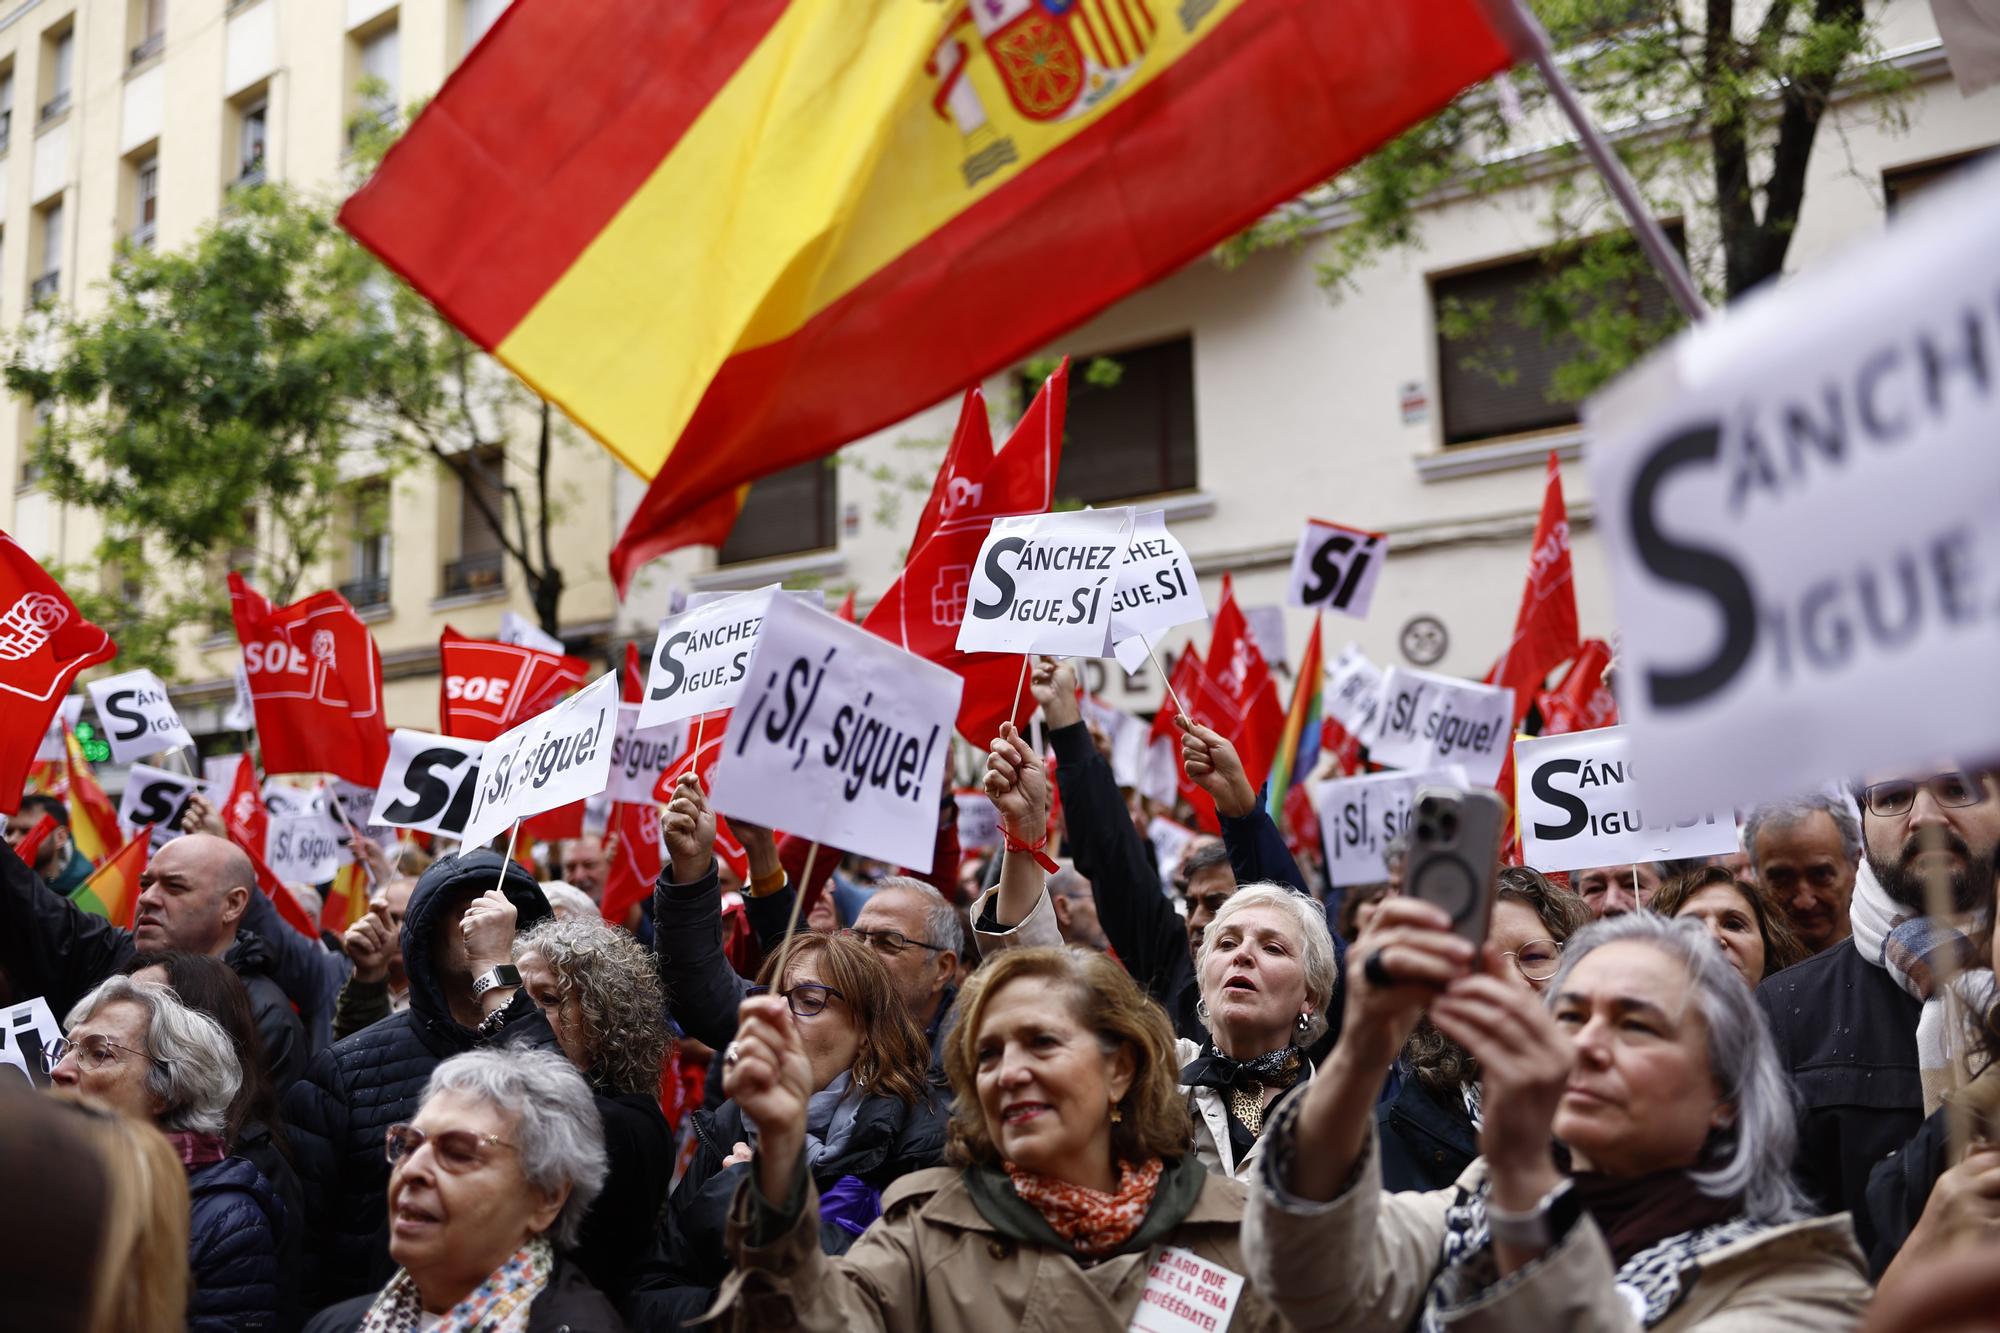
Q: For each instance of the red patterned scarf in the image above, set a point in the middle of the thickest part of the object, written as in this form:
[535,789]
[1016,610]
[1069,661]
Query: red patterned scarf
[1092,1221]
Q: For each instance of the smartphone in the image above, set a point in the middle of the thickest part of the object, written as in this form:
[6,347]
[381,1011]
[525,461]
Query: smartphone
[1455,839]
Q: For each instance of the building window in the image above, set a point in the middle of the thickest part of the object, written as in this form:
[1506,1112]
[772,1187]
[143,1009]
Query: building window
[48,274]
[378,79]
[148,26]
[786,513]
[1134,437]
[368,545]
[36,427]
[250,143]
[59,57]
[6,106]
[1902,184]
[479,15]
[1497,369]
[481,565]
[145,199]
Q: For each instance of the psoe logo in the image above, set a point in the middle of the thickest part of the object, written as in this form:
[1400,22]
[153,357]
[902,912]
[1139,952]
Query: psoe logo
[960,493]
[948,597]
[28,624]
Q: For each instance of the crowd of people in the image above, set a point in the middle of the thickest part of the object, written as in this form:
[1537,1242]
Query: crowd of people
[1746,1092]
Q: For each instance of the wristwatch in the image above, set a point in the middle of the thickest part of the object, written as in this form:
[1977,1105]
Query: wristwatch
[504,975]
[1538,1228]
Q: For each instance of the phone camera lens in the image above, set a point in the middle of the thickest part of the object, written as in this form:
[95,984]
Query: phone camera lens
[1448,826]
[1426,831]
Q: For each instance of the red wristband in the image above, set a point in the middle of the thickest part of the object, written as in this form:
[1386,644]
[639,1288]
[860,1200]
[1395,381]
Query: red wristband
[1034,849]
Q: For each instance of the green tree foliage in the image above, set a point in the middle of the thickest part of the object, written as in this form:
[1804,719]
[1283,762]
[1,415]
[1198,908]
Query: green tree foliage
[1715,107]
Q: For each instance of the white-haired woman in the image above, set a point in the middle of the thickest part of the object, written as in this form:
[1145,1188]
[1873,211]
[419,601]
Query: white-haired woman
[488,1187]
[1265,968]
[135,1047]
[1636,1140]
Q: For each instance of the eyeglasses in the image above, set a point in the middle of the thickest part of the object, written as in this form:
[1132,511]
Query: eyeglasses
[1951,790]
[1537,959]
[806,998]
[92,1053]
[889,942]
[456,1150]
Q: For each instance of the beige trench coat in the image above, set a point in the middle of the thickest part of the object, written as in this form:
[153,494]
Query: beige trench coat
[1804,1275]
[933,1262]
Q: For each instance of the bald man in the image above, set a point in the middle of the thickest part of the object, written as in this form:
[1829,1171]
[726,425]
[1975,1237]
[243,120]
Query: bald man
[197,895]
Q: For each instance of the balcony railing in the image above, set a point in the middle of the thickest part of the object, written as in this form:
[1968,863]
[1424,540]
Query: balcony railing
[252,172]
[148,48]
[363,593]
[45,288]
[475,573]
[55,106]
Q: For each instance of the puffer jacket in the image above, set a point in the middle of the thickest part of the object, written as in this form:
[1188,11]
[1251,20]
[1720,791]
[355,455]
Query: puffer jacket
[279,1028]
[890,1139]
[352,1092]
[234,1225]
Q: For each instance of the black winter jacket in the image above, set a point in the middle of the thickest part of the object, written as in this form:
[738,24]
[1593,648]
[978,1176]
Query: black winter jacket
[1900,1186]
[890,1139]
[1847,1034]
[234,1225]
[618,1229]
[1427,1140]
[51,947]
[352,1092]
[255,1143]
[569,1304]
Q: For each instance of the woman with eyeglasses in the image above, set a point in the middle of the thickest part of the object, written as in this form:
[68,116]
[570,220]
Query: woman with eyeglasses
[488,1187]
[1430,1124]
[872,1118]
[135,1047]
[1753,934]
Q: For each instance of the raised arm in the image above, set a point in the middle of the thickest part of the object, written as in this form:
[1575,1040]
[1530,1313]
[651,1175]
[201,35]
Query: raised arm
[703,990]
[48,945]
[1017,913]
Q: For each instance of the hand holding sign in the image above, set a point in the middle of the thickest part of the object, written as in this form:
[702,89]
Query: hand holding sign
[1213,765]
[369,943]
[1334,568]
[689,828]
[1018,786]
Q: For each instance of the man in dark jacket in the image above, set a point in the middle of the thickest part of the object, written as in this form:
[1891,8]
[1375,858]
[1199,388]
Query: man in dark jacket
[1845,1021]
[339,1113]
[198,893]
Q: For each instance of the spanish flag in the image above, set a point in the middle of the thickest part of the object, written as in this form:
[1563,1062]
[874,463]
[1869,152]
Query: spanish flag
[112,891]
[727,236]
[93,820]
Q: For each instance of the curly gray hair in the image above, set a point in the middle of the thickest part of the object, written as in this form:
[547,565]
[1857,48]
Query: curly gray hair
[193,1070]
[1315,945]
[617,986]
[1753,1156]
[557,1129]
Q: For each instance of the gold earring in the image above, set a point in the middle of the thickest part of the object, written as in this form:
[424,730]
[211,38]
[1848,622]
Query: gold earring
[1116,1114]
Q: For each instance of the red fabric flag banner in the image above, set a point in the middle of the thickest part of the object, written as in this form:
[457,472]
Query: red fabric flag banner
[486,687]
[44,643]
[923,608]
[1237,696]
[702,762]
[636,855]
[1581,701]
[846,611]
[248,823]
[1545,633]
[315,683]
[37,835]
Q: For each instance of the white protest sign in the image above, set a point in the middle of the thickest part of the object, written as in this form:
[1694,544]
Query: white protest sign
[701,656]
[53,750]
[640,754]
[1044,583]
[219,770]
[1353,694]
[1159,772]
[1133,653]
[1359,816]
[813,597]
[157,797]
[1156,588]
[427,784]
[560,755]
[840,737]
[288,798]
[26,1030]
[522,632]
[978,821]
[1429,720]
[138,719]
[348,805]
[1334,568]
[241,714]
[1185,1293]
[1579,805]
[303,848]
[1800,503]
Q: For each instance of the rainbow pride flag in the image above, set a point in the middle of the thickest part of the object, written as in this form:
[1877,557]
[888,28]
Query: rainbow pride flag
[1298,744]
[112,891]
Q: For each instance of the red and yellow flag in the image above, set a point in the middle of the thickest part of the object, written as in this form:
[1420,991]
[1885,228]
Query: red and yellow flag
[93,820]
[112,891]
[346,900]
[727,236]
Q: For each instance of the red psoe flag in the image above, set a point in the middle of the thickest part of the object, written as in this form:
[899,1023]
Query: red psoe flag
[1237,696]
[706,228]
[44,643]
[315,684]
[923,608]
[1545,633]
[636,854]
[701,761]
[1581,700]
[486,687]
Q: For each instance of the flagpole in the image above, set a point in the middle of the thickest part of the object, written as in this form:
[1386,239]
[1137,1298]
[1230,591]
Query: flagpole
[1530,42]
[1015,711]
[792,925]
[1178,706]
[512,834]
